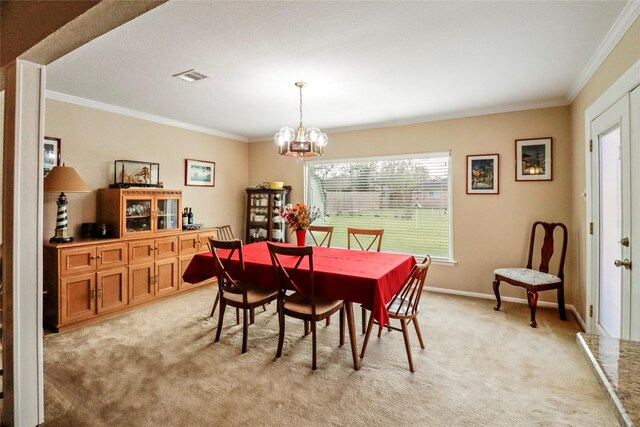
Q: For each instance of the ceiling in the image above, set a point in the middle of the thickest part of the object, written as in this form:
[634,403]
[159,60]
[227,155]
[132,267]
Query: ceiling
[367,64]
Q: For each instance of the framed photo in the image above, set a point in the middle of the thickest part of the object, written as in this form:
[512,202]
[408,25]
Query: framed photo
[483,174]
[199,173]
[51,153]
[533,159]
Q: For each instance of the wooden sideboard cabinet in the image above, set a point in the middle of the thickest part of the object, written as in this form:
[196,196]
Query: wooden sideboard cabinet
[137,212]
[89,278]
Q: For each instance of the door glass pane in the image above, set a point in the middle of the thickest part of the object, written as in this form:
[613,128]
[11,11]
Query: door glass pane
[610,301]
[138,215]
[167,214]
[277,224]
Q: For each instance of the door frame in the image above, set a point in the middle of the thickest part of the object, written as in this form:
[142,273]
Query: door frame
[621,87]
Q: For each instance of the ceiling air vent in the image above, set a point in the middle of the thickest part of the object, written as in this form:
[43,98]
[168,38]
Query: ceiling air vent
[190,76]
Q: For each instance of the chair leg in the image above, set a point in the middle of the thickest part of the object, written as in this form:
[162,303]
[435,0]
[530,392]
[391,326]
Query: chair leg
[407,344]
[496,290]
[342,326]
[366,337]
[252,316]
[245,328]
[380,326]
[563,312]
[281,333]
[532,297]
[364,319]
[306,327]
[215,304]
[237,316]
[418,333]
[223,305]
[313,344]
[264,307]
[328,321]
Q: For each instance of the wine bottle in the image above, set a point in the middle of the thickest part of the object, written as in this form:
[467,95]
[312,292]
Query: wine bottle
[190,217]
[185,217]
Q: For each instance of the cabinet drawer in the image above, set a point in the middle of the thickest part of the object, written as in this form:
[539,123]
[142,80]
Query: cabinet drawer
[111,256]
[204,239]
[189,244]
[166,247]
[77,260]
[141,251]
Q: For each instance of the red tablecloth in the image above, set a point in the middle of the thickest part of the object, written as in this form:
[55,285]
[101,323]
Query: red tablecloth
[368,278]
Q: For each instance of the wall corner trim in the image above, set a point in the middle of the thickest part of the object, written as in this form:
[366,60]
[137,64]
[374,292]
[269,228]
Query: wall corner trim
[627,17]
[57,96]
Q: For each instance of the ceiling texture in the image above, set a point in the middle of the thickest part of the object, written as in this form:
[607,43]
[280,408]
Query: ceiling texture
[367,64]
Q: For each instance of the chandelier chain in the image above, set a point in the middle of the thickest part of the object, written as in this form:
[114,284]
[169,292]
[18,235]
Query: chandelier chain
[300,105]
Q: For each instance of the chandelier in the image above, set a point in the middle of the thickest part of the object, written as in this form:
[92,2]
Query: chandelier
[300,143]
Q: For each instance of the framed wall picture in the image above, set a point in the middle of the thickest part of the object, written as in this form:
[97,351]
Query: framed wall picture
[51,153]
[483,174]
[533,159]
[199,173]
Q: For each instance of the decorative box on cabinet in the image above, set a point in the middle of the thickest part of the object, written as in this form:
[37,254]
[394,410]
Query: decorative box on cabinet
[88,278]
[263,207]
[138,212]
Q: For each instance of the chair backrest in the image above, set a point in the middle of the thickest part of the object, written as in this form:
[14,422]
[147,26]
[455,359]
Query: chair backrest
[323,233]
[286,282]
[377,236]
[226,283]
[407,299]
[548,246]
[225,233]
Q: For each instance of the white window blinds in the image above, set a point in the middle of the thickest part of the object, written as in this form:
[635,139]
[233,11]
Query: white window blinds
[407,196]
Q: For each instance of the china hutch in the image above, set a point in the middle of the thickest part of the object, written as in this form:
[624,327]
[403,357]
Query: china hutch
[142,260]
[263,221]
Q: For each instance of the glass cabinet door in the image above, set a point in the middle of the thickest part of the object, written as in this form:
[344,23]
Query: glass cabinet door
[277,222]
[167,214]
[258,216]
[138,215]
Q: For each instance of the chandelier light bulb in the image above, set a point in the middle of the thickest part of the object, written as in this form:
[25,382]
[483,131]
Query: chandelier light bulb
[322,140]
[312,134]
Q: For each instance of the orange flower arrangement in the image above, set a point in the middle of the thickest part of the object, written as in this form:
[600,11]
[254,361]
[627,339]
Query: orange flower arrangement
[299,216]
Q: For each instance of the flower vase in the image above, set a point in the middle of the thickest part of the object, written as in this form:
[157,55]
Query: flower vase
[300,236]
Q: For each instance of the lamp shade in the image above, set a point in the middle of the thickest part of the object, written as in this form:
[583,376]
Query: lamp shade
[64,179]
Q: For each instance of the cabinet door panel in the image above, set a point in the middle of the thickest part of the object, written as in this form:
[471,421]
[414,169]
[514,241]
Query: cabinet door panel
[189,244]
[112,289]
[141,251]
[77,260]
[112,255]
[168,214]
[77,297]
[137,215]
[141,283]
[166,276]
[167,247]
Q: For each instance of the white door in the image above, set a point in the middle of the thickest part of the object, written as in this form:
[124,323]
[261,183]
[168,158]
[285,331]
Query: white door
[612,220]
[634,143]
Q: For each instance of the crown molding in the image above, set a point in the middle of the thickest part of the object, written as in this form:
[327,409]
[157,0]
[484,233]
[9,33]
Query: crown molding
[627,17]
[440,117]
[140,115]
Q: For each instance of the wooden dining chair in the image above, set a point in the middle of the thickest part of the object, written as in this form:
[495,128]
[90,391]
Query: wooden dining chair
[303,303]
[535,281]
[405,307]
[225,233]
[364,235]
[236,293]
[321,235]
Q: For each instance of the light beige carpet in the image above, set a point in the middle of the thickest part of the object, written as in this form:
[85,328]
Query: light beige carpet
[158,366]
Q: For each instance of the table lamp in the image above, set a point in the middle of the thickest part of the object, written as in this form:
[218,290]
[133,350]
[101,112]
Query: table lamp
[63,179]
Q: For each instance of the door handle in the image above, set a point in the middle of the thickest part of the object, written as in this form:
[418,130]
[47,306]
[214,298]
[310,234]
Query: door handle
[624,241]
[625,263]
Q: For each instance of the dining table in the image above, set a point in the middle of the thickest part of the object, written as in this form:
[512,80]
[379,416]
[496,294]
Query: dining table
[354,276]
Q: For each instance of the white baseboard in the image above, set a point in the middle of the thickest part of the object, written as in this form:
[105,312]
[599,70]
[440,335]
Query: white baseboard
[507,299]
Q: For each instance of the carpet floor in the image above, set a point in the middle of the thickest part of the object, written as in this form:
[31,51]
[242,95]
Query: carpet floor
[158,365]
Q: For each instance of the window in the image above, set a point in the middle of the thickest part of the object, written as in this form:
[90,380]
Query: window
[407,196]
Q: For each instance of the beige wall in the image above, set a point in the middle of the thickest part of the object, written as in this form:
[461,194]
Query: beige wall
[489,231]
[625,54]
[92,139]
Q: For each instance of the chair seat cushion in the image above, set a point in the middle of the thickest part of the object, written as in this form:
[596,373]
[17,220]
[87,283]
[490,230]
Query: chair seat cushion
[528,276]
[400,308]
[299,303]
[254,294]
